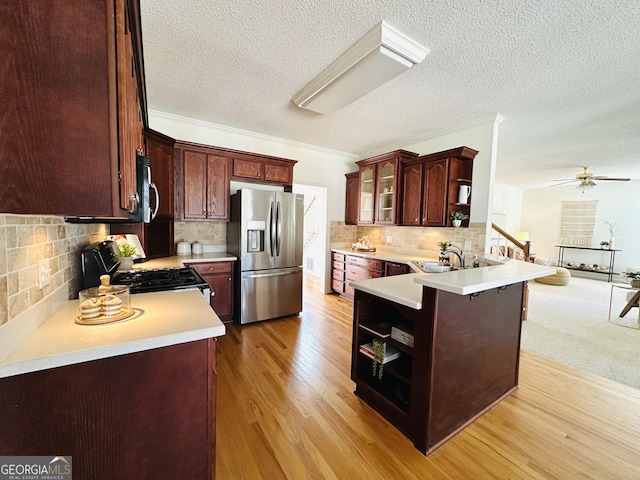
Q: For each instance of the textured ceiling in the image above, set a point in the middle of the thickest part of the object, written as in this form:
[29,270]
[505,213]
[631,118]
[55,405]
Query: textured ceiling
[565,74]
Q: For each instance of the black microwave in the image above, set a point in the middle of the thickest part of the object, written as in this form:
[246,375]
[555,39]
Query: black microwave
[144,210]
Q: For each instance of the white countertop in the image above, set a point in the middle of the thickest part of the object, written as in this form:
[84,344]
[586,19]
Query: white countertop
[407,289]
[400,289]
[181,260]
[389,256]
[161,319]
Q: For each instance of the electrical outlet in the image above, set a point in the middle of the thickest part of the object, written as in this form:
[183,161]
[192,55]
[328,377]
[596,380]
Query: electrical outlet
[44,273]
[467,244]
[389,238]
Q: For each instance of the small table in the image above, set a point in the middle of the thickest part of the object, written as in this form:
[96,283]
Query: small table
[612,258]
[633,302]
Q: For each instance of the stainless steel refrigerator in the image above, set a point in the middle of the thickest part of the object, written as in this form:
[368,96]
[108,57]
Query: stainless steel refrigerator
[265,233]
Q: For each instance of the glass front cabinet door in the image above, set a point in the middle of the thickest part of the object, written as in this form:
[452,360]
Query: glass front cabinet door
[367,177]
[386,181]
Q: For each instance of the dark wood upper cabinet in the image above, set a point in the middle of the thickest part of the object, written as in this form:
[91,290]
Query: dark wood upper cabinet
[430,187]
[202,182]
[378,187]
[262,168]
[351,199]
[74,107]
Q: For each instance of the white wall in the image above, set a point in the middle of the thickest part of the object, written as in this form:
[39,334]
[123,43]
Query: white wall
[316,166]
[507,201]
[618,202]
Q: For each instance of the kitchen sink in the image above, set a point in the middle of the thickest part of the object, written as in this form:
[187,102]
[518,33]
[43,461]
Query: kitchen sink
[435,267]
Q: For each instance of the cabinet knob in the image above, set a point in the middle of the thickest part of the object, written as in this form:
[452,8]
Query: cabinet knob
[258,173]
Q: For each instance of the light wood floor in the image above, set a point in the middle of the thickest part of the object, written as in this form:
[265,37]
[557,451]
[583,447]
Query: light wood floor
[286,410]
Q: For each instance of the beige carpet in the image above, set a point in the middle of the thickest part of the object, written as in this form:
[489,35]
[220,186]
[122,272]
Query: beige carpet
[570,324]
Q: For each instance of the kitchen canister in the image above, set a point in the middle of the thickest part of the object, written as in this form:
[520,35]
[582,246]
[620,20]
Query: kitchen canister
[183,248]
[196,248]
[463,193]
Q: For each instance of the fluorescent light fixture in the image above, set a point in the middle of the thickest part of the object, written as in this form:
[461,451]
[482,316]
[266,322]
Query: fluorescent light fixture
[379,56]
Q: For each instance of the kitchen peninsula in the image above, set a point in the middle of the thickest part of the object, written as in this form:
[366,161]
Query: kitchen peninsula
[453,344]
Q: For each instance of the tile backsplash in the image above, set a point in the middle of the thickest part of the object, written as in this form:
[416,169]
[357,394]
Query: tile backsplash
[27,239]
[411,238]
[207,233]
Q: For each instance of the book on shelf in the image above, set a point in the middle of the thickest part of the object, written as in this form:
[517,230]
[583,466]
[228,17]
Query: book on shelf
[403,334]
[382,330]
[390,353]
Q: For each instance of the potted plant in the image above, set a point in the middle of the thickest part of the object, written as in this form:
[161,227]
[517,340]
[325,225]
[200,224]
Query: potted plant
[604,244]
[443,246]
[457,218]
[125,252]
[633,275]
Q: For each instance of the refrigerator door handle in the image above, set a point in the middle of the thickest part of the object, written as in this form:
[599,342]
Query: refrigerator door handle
[272,231]
[278,228]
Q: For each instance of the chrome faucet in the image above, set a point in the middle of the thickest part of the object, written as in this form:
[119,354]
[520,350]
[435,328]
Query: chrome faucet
[457,252]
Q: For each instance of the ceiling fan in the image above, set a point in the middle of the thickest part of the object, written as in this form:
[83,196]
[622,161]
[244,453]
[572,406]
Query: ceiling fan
[586,179]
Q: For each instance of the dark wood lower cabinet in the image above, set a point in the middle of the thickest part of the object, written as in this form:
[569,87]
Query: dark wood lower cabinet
[145,415]
[219,276]
[463,360]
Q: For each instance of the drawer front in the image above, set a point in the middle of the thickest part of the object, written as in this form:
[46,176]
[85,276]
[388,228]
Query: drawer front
[338,257]
[349,291]
[212,267]
[338,265]
[338,275]
[337,286]
[358,273]
[370,263]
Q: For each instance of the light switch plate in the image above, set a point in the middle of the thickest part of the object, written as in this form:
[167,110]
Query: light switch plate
[389,238]
[44,273]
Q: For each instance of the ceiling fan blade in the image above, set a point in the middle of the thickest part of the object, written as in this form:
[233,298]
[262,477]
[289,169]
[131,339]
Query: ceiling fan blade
[563,183]
[611,179]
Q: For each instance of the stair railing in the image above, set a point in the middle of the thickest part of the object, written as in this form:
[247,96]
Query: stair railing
[526,246]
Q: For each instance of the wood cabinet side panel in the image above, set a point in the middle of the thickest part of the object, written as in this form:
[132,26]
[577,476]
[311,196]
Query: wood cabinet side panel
[160,153]
[476,356]
[143,415]
[351,199]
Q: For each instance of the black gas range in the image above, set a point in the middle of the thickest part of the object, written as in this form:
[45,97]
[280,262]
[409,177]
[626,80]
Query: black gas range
[100,259]
[157,280]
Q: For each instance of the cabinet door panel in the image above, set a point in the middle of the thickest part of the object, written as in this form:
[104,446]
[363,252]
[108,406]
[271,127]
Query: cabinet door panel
[435,194]
[218,187]
[195,185]
[247,169]
[411,195]
[386,192]
[222,294]
[275,172]
[367,194]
